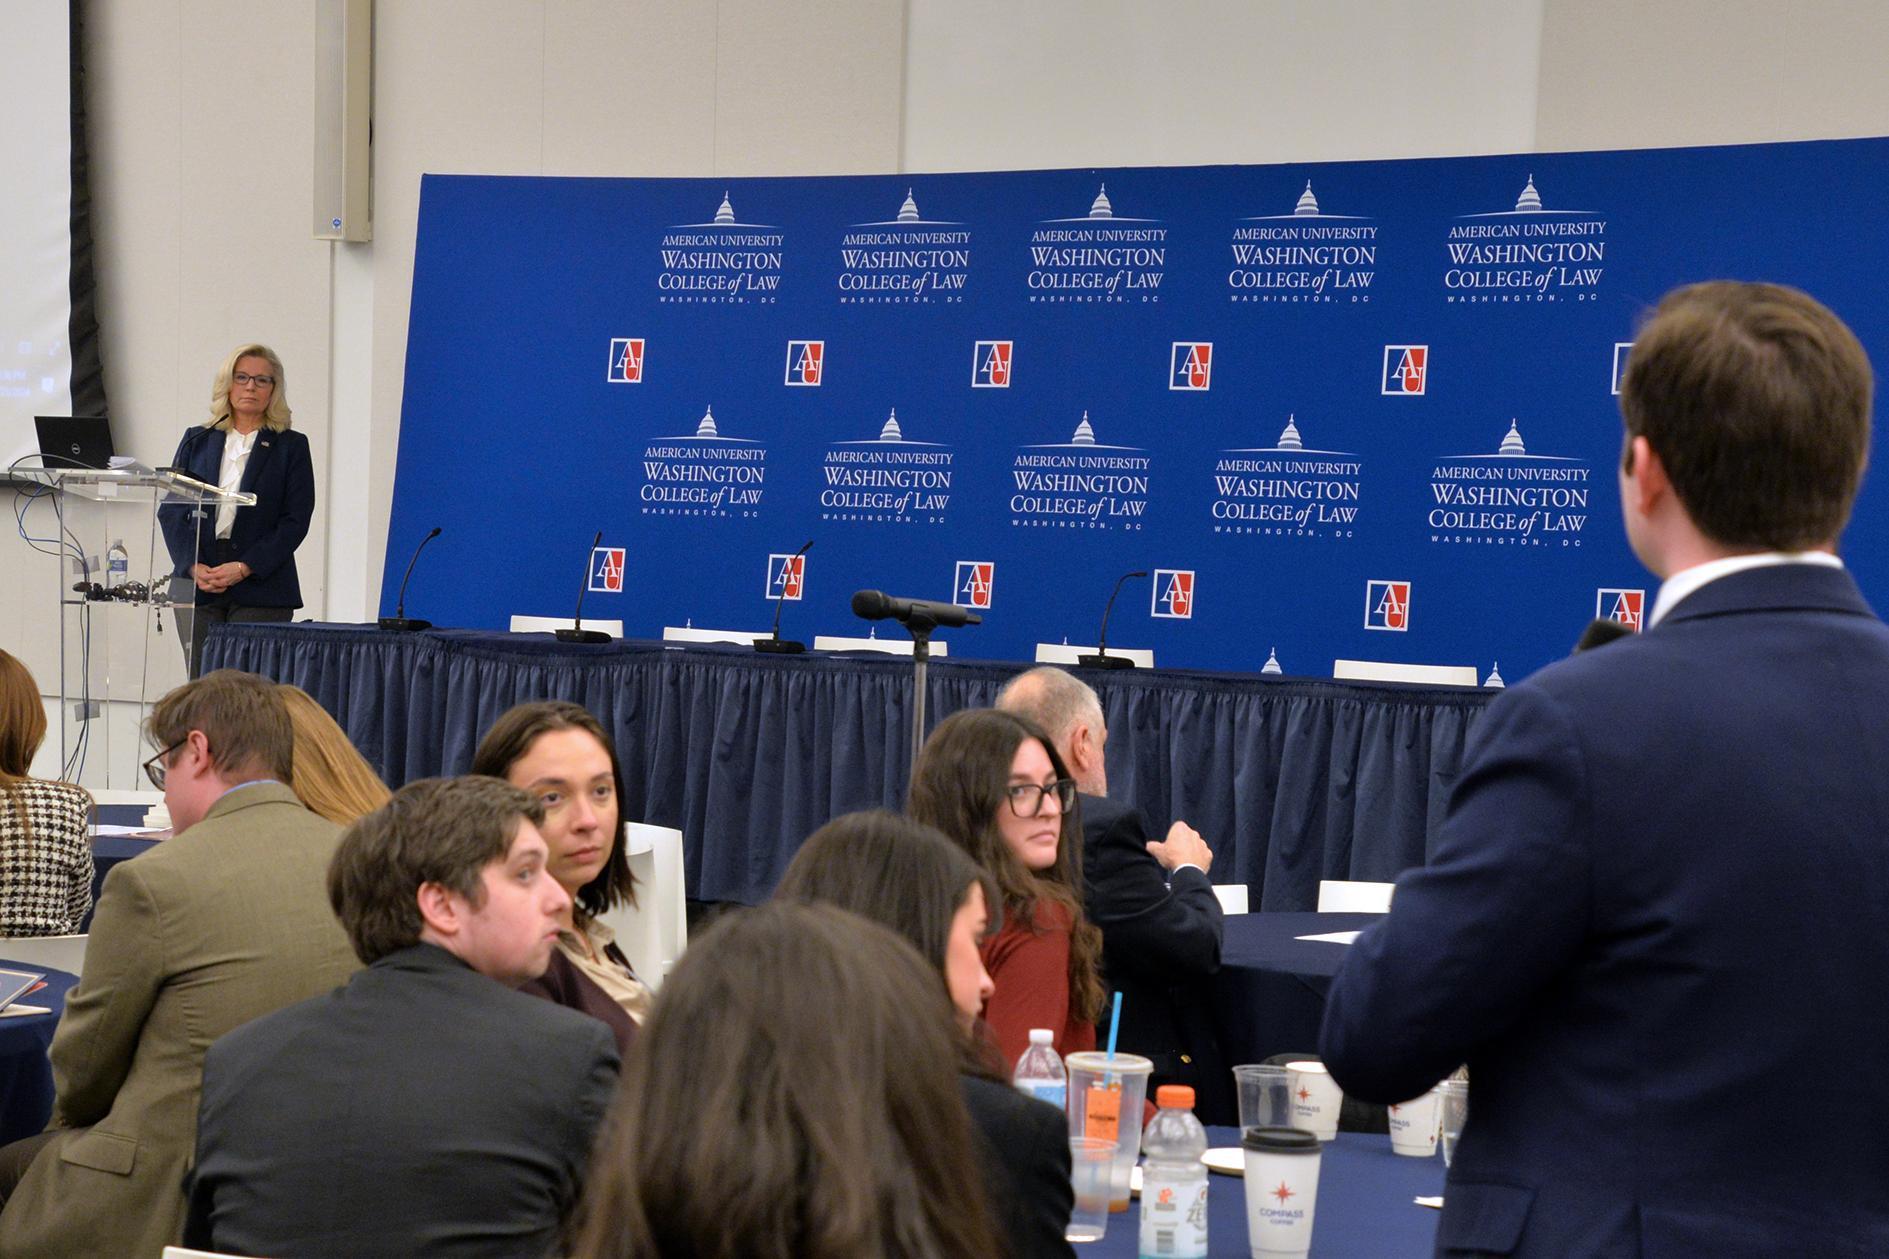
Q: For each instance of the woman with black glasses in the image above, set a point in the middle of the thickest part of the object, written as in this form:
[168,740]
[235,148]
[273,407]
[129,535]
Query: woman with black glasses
[993,783]
[238,563]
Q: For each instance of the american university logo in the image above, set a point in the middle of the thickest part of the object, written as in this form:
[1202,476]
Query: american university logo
[971,588]
[626,361]
[1624,606]
[1173,596]
[1509,498]
[723,261]
[907,259]
[1100,256]
[888,479]
[704,473]
[786,576]
[1307,255]
[1286,489]
[1190,365]
[1406,370]
[1080,484]
[990,365]
[606,569]
[804,362]
[1532,253]
[1387,605]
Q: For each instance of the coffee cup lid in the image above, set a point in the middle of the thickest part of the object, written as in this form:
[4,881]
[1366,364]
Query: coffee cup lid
[1279,1140]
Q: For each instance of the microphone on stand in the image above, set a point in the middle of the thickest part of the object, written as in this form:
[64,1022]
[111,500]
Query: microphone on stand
[778,645]
[577,633]
[873,605]
[400,622]
[1601,632]
[1101,659]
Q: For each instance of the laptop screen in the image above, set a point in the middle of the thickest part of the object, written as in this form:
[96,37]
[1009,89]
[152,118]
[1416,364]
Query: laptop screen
[74,441]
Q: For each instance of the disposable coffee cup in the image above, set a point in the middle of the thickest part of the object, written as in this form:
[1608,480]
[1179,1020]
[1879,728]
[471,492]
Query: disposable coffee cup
[1316,1098]
[1281,1191]
[1105,1096]
[1413,1125]
[1265,1093]
[1090,1161]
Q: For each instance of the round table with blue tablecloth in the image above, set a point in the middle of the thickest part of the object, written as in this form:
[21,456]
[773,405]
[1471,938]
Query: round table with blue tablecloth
[26,1094]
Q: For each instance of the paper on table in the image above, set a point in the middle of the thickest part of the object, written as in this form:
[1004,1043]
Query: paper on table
[1436,1202]
[16,1010]
[1331,937]
[106,830]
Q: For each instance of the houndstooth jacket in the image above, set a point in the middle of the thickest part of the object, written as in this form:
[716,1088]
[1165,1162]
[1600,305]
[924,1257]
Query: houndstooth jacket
[46,864]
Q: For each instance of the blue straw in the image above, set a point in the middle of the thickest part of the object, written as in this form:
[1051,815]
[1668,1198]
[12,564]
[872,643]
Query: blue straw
[1114,1025]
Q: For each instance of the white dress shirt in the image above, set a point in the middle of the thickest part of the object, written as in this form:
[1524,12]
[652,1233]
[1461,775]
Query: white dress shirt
[1688,580]
[236,448]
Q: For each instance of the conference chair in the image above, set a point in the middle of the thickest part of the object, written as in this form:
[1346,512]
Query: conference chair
[66,953]
[1234,897]
[1347,896]
[654,933]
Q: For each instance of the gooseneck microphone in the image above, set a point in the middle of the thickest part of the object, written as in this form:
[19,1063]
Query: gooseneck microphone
[1101,659]
[917,614]
[400,622]
[577,633]
[776,644]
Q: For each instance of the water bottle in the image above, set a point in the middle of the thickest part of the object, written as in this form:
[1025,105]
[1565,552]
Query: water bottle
[1040,1072]
[117,565]
[1174,1180]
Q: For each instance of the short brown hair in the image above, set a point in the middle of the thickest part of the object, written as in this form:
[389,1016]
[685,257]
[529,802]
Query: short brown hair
[436,830]
[240,714]
[1756,398]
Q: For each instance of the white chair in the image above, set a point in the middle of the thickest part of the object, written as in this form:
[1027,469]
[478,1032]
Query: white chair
[1349,896]
[889,646]
[654,933]
[66,953]
[546,624]
[1424,674]
[1233,897]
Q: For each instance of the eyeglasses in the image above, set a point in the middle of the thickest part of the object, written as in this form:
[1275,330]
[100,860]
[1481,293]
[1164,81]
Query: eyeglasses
[1026,799]
[260,382]
[155,769]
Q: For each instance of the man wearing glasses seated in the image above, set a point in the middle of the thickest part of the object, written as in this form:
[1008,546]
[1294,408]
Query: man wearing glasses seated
[223,923]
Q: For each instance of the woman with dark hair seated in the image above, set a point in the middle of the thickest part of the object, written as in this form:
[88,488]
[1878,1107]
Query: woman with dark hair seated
[562,755]
[993,783]
[908,877]
[791,1095]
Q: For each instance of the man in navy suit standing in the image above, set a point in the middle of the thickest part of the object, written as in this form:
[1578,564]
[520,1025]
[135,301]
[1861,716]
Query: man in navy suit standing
[1655,924]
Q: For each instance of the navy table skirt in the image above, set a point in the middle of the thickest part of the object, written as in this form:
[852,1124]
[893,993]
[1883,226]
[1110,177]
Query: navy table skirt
[1365,1205]
[1290,780]
[26,1094]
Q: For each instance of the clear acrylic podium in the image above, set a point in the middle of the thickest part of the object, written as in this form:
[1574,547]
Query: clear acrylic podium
[114,662]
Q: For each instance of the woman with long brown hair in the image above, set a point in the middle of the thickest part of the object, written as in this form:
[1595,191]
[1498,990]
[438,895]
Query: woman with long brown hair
[906,876]
[45,845]
[793,1095]
[329,776]
[561,754]
[993,783]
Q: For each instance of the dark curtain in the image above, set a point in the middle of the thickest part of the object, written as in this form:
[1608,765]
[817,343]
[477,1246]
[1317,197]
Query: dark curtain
[1290,781]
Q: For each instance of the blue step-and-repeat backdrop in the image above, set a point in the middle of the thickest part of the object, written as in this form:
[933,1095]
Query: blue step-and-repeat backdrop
[1359,409]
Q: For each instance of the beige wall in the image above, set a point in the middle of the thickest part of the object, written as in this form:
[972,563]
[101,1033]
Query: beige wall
[200,121]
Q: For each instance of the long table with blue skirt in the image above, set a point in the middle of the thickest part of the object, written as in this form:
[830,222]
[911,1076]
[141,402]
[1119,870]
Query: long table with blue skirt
[1290,780]
[1366,1205]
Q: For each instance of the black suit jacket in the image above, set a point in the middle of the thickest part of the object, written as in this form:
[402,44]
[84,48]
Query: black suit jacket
[1024,1144]
[281,475]
[420,1110]
[1160,943]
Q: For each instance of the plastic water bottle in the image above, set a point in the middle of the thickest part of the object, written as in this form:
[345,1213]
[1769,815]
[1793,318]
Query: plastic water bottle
[1040,1072]
[117,565]
[1174,1180]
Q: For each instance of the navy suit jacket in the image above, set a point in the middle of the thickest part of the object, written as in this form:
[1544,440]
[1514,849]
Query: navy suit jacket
[1160,943]
[1656,926]
[421,1110]
[281,475]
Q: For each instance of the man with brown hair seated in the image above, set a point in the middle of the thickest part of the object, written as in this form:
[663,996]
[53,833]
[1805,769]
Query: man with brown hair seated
[426,1108]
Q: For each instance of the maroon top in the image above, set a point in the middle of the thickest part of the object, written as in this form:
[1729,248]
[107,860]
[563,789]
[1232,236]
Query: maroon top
[564,984]
[1029,967]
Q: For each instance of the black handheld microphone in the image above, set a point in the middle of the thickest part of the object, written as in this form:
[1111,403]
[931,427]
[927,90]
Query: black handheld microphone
[776,644]
[917,614]
[400,622]
[1601,632]
[577,633]
[1101,659]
